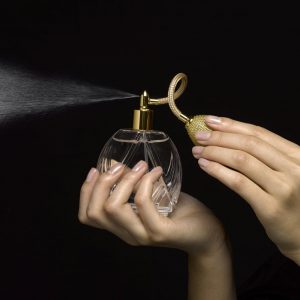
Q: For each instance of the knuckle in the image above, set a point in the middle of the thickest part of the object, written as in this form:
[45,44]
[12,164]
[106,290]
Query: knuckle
[286,191]
[258,130]
[251,143]
[238,182]
[129,178]
[216,137]
[206,151]
[209,152]
[227,121]
[104,179]
[274,213]
[147,178]
[296,171]
[157,237]
[138,199]
[132,243]
[143,241]
[92,214]
[240,158]
[110,208]
[82,218]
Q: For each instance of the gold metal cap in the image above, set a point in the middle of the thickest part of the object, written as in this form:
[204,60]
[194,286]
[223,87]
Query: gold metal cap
[143,117]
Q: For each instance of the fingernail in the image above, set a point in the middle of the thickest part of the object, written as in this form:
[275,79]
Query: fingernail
[115,168]
[197,150]
[91,174]
[138,166]
[156,169]
[213,120]
[203,135]
[203,162]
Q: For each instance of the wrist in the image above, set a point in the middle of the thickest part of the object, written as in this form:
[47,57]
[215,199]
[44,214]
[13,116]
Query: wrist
[218,256]
[219,249]
[211,275]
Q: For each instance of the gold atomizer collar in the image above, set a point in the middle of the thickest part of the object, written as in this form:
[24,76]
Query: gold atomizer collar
[143,117]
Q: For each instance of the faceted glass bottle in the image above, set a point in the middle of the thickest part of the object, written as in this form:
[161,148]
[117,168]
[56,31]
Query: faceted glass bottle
[129,146]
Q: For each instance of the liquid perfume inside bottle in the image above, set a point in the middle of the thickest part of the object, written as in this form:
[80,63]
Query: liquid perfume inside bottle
[156,148]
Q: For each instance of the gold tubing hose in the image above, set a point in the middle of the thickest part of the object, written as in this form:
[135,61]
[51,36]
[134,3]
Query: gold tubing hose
[193,124]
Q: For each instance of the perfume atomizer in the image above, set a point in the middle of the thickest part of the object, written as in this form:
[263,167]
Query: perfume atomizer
[142,142]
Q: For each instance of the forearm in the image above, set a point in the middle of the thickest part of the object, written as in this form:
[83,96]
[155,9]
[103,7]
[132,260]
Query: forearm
[211,277]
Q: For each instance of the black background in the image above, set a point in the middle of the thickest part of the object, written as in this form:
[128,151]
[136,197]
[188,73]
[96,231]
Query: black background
[242,61]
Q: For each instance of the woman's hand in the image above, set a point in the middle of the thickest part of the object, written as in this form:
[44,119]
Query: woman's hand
[191,227]
[261,167]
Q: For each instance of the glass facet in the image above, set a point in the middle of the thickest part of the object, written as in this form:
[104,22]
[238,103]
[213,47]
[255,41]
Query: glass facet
[156,149]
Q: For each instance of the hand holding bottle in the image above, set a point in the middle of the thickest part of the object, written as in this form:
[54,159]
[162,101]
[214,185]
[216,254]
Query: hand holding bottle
[263,168]
[191,227]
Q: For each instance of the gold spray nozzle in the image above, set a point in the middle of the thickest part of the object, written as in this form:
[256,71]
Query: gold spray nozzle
[144,100]
[143,117]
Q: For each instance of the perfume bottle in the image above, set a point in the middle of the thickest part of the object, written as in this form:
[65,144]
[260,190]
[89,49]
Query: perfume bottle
[156,148]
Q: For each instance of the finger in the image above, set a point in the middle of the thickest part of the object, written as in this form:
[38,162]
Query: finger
[101,192]
[127,183]
[120,211]
[258,199]
[233,126]
[85,193]
[258,148]
[149,215]
[91,210]
[244,163]
[126,170]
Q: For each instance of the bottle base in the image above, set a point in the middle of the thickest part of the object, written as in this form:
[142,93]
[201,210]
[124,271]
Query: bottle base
[165,211]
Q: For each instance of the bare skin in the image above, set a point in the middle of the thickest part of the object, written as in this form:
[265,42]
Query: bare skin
[192,227]
[263,168]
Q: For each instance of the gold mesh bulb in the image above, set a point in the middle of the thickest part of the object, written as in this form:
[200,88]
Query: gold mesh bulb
[195,124]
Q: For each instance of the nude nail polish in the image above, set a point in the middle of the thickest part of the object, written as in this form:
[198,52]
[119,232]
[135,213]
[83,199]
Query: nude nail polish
[197,150]
[203,135]
[91,174]
[115,168]
[213,120]
[203,162]
[138,166]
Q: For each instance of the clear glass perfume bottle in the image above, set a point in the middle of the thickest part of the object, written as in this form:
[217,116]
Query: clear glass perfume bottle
[156,148]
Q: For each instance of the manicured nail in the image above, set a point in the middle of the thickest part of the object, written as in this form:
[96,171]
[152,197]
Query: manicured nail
[138,166]
[156,170]
[203,162]
[197,150]
[213,120]
[91,174]
[115,168]
[203,135]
